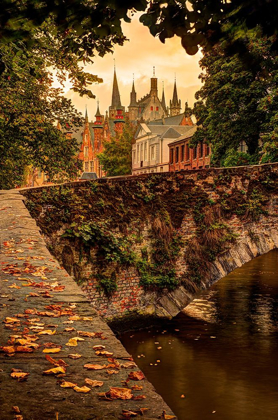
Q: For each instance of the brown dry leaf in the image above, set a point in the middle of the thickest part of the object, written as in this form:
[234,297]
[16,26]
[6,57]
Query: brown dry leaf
[119,393]
[74,318]
[137,388]
[33,294]
[18,417]
[30,311]
[128,365]
[67,385]
[14,286]
[59,362]
[99,347]
[47,332]
[51,350]
[8,349]
[69,329]
[166,416]
[16,409]
[94,367]
[136,376]
[74,356]
[93,383]
[24,349]
[83,389]
[138,397]
[86,334]
[104,353]
[111,372]
[20,376]
[54,371]
[127,414]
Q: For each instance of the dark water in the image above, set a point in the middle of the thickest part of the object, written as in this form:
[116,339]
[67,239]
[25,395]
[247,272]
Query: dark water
[221,353]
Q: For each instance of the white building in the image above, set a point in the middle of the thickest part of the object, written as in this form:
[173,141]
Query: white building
[150,152]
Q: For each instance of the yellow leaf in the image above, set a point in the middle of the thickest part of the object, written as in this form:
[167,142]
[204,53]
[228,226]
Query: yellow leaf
[53,350]
[83,389]
[54,371]
[73,341]
[47,332]
[67,385]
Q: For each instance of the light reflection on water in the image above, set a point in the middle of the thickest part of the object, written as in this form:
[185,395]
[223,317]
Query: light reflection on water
[221,351]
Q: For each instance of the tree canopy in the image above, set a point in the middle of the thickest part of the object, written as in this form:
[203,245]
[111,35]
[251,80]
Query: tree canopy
[116,157]
[238,102]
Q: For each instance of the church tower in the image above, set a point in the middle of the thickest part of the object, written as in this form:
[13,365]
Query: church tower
[175,104]
[163,101]
[116,107]
[133,107]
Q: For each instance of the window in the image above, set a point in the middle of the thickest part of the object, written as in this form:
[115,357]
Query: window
[171,156]
[145,151]
[207,150]
[141,154]
[86,166]
[161,168]
[201,148]
[86,151]
[186,152]
[194,152]
[91,166]
[177,154]
[137,153]
[182,153]
[151,108]
[152,152]
[157,108]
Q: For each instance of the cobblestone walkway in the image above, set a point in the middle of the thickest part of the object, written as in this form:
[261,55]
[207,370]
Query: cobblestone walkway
[59,360]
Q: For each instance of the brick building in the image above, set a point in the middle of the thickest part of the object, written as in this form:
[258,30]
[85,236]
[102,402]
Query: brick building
[182,157]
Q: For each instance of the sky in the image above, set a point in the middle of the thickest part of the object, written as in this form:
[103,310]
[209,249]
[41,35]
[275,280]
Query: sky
[136,58]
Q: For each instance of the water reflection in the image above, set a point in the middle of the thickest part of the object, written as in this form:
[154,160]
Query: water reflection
[221,351]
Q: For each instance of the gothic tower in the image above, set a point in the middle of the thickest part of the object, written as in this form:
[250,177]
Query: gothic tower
[175,104]
[133,107]
[116,105]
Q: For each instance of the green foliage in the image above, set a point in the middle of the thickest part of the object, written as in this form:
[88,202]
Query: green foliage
[30,108]
[238,101]
[107,283]
[116,158]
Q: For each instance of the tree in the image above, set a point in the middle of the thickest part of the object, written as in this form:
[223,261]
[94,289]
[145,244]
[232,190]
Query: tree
[29,110]
[116,158]
[238,100]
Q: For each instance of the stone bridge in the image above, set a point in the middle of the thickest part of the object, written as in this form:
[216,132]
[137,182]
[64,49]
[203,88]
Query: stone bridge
[147,245]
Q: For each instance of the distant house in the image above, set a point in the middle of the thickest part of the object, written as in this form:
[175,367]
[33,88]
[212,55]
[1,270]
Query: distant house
[150,151]
[182,157]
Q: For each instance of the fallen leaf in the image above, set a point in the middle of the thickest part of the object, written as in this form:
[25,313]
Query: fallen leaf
[166,416]
[87,318]
[137,388]
[93,383]
[94,367]
[86,334]
[83,389]
[8,349]
[128,414]
[69,329]
[74,356]
[14,286]
[111,372]
[138,397]
[52,350]
[47,332]
[67,385]
[54,371]
[136,376]
[9,320]
[99,347]
[24,349]
[74,318]
[59,362]
[73,341]
[20,376]
[16,409]
[119,393]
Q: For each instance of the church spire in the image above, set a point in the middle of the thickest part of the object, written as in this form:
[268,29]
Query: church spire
[163,102]
[133,101]
[98,114]
[175,101]
[116,100]
[86,115]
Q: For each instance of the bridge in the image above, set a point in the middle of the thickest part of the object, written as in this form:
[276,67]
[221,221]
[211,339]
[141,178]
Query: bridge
[145,246]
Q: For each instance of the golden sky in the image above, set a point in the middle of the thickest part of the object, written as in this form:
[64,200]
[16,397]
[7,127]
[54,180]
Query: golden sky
[138,56]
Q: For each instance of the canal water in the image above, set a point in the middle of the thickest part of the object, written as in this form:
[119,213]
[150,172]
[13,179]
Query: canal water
[218,359]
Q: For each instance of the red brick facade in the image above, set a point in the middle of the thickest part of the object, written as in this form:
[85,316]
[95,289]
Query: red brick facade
[182,157]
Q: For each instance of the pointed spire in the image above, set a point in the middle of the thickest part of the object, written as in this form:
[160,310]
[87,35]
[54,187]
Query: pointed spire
[116,100]
[163,102]
[133,101]
[98,114]
[86,115]
[175,101]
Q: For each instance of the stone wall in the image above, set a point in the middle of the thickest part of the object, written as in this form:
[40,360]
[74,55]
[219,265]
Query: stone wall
[149,244]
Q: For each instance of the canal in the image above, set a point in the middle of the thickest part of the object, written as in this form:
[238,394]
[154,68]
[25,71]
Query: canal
[218,359]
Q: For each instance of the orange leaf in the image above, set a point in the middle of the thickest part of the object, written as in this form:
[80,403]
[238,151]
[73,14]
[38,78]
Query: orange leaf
[86,334]
[119,393]
[95,367]
[136,376]
[74,356]
[8,349]
[54,371]
[93,383]
[47,332]
[52,350]
[59,362]
[83,389]
[20,376]
[73,341]
[67,385]
[24,349]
